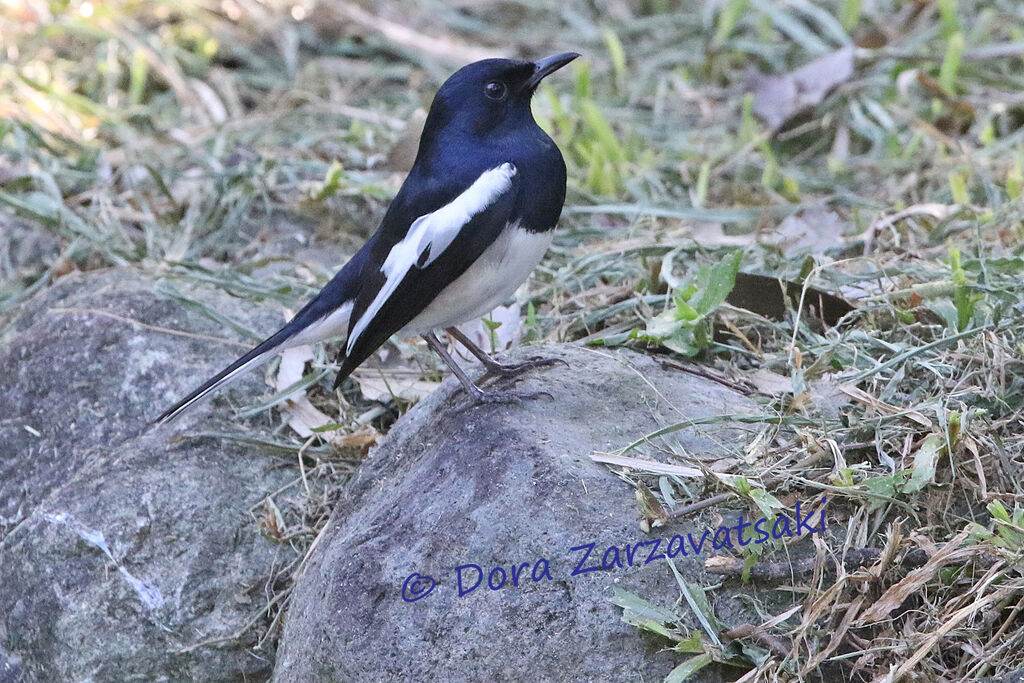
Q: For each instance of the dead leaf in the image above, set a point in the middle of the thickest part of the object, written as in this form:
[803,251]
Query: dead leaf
[926,461]
[378,384]
[777,99]
[303,416]
[654,514]
[506,333]
[272,523]
[711,235]
[815,230]
[363,438]
[898,593]
[882,407]
[395,371]
[770,383]
[646,465]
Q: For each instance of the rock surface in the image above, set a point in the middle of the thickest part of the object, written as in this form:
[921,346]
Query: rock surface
[504,486]
[121,547]
[11,670]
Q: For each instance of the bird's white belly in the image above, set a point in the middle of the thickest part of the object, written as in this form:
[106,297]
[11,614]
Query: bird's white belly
[491,279]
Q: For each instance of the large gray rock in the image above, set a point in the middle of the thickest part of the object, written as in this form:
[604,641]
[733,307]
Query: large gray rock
[504,486]
[76,373]
[124,546]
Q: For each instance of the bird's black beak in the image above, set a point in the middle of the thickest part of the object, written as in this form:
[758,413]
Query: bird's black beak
[547,66]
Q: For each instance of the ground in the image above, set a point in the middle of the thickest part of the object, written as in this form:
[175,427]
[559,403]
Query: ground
[873,151]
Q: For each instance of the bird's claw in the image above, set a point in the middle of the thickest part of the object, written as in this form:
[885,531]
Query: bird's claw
[512,370]
[492,397]
[540,361]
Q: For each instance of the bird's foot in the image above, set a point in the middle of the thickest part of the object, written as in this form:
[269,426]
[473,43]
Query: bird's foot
[496,369]
[478,397]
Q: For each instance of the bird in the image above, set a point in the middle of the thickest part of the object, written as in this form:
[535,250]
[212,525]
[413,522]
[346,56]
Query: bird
[472,219]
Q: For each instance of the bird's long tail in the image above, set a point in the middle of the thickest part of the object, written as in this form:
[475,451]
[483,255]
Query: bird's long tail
[259,355]
[325,317]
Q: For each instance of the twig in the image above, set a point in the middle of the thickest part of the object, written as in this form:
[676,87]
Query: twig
[980,54]
[907,355]
[722,565]
[698,371]
[252,621]
[446,50]
[811,459]
[700,505]
[155,328]
[774,643]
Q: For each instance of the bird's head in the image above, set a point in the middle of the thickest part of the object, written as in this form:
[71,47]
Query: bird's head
[491,96]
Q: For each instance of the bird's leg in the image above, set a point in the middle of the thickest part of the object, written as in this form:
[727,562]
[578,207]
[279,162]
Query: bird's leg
[493,367]
[475,393]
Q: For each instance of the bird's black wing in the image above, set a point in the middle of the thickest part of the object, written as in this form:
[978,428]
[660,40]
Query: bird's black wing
[406,272]
[451,242]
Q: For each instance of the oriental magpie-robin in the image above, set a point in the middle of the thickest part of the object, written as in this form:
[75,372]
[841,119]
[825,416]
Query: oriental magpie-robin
[471,221]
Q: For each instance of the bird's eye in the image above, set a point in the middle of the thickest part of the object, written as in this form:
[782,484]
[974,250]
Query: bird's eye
[496,90]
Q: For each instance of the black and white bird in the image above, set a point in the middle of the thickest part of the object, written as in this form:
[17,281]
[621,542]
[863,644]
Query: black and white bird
[471,221]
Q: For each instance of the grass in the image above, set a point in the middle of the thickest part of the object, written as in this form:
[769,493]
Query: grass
[163,135]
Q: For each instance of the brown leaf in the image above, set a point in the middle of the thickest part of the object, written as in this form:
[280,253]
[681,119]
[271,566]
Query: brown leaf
[272,523]
[816,229]
[777,99]
[364,438]
[303,416]
[654,514]
[896,595]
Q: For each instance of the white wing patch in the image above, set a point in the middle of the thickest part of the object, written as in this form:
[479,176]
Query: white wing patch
[430,235]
